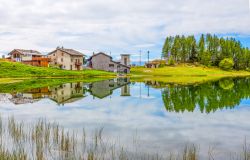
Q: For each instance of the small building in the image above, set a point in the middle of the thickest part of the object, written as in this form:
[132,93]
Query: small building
[155,64]
[68,59]
[30,57]
[102,61]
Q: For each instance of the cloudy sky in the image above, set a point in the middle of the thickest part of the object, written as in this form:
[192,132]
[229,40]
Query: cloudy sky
[117,26]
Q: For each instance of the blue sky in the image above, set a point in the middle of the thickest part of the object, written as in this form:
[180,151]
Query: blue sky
[117,26]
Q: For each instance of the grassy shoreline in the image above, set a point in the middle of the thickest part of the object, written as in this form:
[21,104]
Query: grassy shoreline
[184,74]
[181,74]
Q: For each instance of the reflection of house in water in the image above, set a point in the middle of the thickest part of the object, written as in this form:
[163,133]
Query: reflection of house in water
[5,97]
[125,90]
[30,96]
[67,93]
[105,88]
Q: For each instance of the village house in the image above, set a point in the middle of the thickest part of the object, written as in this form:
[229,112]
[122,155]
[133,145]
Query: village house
[30,57]
[102,61]
[67,59]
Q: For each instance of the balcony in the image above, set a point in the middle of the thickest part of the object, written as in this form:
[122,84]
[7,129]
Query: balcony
[78,63]
[40,59]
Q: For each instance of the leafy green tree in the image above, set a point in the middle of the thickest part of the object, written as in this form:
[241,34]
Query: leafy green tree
[227,64]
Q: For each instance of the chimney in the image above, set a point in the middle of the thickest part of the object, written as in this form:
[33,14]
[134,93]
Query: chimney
[125,59]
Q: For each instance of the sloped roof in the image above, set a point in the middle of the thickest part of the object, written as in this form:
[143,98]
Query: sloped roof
[69,51]
[99,54]
[26,52]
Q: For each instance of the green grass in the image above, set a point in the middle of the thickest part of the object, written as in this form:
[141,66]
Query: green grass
[184,74]
[15,70]
[34,83]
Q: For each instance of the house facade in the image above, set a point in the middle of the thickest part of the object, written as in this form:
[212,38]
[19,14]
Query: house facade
[30,57]
[67,59]
[102,61]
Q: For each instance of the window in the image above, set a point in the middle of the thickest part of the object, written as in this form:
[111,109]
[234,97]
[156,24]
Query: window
[125,61]
[61,59]
[111,65]
[62,54]
[72,60]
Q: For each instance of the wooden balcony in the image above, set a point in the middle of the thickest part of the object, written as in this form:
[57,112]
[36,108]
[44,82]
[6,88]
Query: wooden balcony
[78,63]
[40,59]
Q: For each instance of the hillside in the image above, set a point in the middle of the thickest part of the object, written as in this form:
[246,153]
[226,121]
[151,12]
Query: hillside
[184,74]
[17,70]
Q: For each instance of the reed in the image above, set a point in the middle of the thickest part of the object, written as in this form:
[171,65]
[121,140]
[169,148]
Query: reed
[43,140]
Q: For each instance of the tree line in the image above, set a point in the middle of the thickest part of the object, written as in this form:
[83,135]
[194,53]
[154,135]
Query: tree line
[208,50]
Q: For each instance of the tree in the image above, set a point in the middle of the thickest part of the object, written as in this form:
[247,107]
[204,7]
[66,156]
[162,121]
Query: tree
[201,48]
[167,47]
[176,48]
[227,64]
[210,50]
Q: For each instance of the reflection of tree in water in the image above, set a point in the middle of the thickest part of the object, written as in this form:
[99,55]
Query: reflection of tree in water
[209,97]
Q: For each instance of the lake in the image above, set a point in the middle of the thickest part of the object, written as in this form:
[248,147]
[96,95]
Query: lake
[149,117]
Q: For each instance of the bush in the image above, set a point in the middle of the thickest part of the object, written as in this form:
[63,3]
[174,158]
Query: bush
[171,61]
[226,64]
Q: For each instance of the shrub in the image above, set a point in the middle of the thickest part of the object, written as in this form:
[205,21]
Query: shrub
[226,64]
[226,84]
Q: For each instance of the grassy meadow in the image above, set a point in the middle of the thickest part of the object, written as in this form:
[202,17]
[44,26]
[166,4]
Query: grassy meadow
[184,74]
[19,70]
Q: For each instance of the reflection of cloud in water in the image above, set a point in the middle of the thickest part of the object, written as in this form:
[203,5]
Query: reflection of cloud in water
[157,129]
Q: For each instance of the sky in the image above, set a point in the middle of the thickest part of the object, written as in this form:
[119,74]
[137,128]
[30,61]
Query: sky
[117,26]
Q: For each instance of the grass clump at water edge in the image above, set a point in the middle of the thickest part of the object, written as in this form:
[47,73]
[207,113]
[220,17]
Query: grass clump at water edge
[43,140]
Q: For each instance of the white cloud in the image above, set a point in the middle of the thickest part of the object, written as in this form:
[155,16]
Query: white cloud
[119,26]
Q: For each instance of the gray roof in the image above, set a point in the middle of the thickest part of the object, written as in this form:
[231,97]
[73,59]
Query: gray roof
[69,51]
[99,54]
[26,52]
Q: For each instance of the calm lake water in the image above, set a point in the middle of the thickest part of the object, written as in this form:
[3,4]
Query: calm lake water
[151,117]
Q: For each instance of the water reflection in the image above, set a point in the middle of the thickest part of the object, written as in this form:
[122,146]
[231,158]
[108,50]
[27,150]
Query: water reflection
[208,97]
[126,108]
[69,92]
[105,88]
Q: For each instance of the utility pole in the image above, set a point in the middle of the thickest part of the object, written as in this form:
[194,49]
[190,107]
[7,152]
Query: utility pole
[148,56]
[140,57]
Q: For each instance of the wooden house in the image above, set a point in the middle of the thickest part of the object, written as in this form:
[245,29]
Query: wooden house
[30,57]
